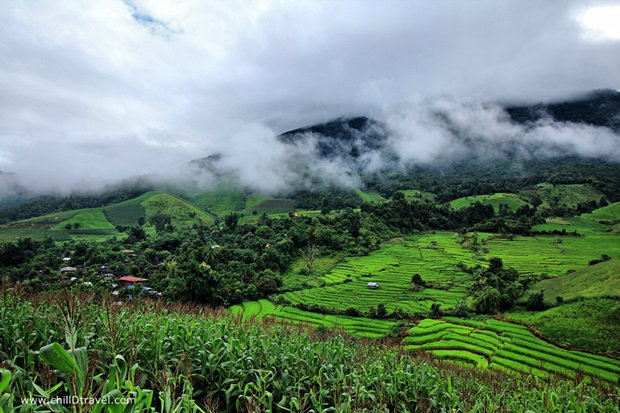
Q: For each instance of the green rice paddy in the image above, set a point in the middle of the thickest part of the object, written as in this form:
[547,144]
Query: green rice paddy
[507,346]
[544,254]
[357,326]
[433,256]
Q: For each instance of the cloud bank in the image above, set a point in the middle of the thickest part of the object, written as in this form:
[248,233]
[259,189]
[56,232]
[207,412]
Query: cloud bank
[92,92]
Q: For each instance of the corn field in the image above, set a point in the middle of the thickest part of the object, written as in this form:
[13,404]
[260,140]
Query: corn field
[193,359]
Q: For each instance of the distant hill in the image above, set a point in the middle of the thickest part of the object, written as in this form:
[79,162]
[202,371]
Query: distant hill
[598,108]
[359,141]
[102,222]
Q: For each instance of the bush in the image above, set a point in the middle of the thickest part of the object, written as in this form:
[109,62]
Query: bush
[536,302]
[488,301]
[381,311]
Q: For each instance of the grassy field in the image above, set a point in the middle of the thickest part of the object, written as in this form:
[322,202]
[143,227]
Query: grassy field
[37,234]
[513,201]
[392,267]
[600,220]
[183,213]
[592,324]
[263,203]
[128,212]
[295,279]
[608,213]
[589,282]
[92,218]
[542,254]
[357,326]
[417,195]
[220,201]
[506,346]
[371,197]
[569,195]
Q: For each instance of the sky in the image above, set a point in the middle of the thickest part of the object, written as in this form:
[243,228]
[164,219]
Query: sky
[92,92]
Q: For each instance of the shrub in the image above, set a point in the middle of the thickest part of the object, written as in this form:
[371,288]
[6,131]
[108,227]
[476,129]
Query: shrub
[536,302]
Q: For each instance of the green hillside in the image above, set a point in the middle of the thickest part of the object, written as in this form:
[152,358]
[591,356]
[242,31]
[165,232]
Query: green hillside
[99,223]
[568,195]
[128,212]
[371,197]
[513,201]
[590,324]
[220,201]
[603,219]
[417,195]
[182,213]
[592,281]
[92,218]
[257,204]
[609,213]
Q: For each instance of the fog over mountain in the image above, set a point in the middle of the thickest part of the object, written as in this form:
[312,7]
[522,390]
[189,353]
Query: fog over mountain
[94,92]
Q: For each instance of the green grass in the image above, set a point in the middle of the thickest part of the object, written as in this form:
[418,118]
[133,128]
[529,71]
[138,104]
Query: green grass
[600,220]
[357,326]
[608,213]
[293,279]
[128,212]
[598,280]
[513,201]
[570,195]
[92,218]
[508,345]
[417,195]
[392,267]
[183,213]
[37,234]
[590,324]
[220,201]
[371,197]
[263,203]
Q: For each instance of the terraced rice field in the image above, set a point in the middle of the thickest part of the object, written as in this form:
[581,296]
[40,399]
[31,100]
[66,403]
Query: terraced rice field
[505,346]
[542,254]
[358,326]
[433,256]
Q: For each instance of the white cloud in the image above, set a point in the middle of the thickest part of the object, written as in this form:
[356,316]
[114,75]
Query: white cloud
[100,90]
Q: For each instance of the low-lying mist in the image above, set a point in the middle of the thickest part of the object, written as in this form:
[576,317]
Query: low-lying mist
[426,132]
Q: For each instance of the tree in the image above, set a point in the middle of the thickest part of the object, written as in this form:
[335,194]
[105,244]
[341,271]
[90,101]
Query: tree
[381,311]
[536,301]
[435,310]
[488,301]
[416,279]
[231,220]
[495,265]
[559,299]
[308,254]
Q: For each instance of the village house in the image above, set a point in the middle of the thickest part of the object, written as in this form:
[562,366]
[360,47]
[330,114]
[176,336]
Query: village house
[373,285]
[131,280]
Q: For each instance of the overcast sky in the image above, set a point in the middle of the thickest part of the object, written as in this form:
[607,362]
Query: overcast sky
[106,89]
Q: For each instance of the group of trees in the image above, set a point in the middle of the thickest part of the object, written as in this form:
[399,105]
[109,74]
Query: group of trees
[497,287]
